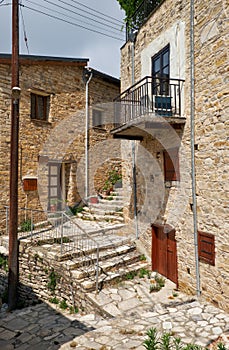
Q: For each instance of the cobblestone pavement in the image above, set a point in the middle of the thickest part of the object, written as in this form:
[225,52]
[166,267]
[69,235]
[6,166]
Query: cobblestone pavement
[132,309]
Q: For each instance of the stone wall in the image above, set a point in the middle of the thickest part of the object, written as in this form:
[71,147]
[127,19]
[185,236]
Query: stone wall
[61,138]
[211,134]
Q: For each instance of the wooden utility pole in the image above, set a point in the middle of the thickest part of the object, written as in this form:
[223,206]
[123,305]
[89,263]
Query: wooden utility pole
[13,214]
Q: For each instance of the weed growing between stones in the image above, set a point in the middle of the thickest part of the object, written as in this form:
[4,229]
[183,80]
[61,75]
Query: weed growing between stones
[63,304]
[157,283]
[4,262]
[168,342]
[53,280]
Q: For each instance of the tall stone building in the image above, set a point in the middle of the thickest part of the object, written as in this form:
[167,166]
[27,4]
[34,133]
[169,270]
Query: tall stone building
[52,127]
[155,114]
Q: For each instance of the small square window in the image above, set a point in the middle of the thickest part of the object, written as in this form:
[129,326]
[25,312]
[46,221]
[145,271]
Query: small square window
[206,247]
[40,107]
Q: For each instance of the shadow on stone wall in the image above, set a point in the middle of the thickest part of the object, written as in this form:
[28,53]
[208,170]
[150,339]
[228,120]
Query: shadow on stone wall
[40,326]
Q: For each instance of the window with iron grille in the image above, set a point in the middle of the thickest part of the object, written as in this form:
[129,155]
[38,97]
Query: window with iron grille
[206,247]
[171,165]
[40,107]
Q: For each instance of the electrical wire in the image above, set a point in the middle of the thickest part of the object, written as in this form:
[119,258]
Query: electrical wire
[78,20]
[74,24]
[24,30]
[103,14]
[76,7]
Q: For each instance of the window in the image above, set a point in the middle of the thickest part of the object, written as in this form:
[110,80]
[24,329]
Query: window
[160,72]
[97,118]
[171,165]
[206,247]
[40,107]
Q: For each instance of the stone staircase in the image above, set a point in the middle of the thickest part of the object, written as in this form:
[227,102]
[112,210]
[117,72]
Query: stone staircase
[105,208]
[118,260]
[103,223]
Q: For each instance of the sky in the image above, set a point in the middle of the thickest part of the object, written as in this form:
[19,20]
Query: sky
[51,37]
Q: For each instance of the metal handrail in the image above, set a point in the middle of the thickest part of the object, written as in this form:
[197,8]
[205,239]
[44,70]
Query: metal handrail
[81,242]
[58,227]
[159,95]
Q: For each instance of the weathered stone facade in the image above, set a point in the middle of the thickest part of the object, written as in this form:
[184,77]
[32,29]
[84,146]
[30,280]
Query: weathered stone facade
[170,24]
[60,138]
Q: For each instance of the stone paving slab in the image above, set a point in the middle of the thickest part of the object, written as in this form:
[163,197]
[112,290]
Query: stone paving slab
[133,311]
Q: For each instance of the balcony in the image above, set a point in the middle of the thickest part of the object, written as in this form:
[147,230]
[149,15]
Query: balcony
[150,102]
[141,15]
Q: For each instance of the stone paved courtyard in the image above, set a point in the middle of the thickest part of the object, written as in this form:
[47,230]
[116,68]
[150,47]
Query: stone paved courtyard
[132,309]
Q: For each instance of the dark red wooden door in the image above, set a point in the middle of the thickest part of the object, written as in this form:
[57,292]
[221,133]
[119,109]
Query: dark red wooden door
[164,252]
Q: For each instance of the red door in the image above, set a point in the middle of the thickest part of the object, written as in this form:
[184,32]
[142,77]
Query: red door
[164,252]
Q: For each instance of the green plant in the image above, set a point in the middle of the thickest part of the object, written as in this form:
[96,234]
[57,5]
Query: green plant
[53,280]
[144,272]
[4,262]
[54,300]
[114,176]
[26,226]
[76,209]
[64,240]
[73,310]
[130,275]
[157,283]
[160,280]
[142,257]
[63,304]
[221,346]
[167,342]
[152,342]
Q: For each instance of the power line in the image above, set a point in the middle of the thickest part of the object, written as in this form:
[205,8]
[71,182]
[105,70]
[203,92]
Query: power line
[103,14]
[78,20]
[81,15]
[24,30]
[74,24]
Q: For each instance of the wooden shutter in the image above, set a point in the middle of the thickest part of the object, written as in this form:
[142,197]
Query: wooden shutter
[171,165]
[30,184]
[206,247]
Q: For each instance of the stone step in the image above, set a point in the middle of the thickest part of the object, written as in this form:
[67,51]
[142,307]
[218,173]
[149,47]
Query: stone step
[119,274]
[97,217]
[108,253]
[114,207]
[103,213]
[113,242]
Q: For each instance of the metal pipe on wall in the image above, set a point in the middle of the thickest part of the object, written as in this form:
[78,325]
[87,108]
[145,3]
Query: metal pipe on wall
[192,142]
[87,76]
[133,144]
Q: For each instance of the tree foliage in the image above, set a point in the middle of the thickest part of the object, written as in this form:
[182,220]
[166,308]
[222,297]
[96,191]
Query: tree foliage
[129,6]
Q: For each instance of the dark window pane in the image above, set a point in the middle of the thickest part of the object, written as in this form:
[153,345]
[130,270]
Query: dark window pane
[165,58]
[40,107]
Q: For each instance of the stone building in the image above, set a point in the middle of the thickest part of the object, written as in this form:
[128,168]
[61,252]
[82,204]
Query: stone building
[155,116]
[52,126]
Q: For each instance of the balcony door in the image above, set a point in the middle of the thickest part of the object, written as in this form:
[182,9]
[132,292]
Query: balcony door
[160,72]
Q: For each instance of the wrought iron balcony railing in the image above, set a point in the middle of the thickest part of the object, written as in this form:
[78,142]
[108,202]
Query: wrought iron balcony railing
[140,15]
[158,95]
